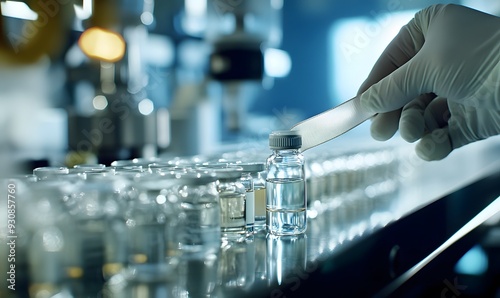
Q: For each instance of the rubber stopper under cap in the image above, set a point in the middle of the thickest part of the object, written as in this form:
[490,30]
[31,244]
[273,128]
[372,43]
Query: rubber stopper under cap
[285,139]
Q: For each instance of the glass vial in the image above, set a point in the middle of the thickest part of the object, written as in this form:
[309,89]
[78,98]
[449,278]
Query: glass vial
[249,176]
[199,228]
[260,200]
[151,227]
[285,185]
[232,195]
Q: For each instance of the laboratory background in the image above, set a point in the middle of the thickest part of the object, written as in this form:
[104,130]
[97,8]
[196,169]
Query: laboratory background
[148,85]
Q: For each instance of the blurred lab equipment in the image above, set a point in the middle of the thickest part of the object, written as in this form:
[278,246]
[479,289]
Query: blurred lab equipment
[239,35]
[217,74]
[140,78]
[110,113]
[43,35]
[210,106]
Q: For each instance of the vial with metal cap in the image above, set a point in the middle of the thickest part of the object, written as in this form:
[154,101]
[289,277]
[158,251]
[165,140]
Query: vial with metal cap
[286,185]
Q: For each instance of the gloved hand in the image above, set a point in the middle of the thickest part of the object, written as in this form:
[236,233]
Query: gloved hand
[438,81]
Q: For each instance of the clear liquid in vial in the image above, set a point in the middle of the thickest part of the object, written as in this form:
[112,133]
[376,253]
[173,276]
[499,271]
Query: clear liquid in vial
[260,208]
[200,229]
[286,206]
[233,216]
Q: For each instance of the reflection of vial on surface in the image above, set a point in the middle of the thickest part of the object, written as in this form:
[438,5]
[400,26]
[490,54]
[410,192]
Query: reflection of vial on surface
[286,257]
[237,267]
[285,185]
[197,276]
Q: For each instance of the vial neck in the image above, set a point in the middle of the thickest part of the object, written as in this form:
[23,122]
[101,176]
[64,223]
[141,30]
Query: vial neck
[286,151]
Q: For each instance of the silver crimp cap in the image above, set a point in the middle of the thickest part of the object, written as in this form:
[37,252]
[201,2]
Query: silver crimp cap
[285,139]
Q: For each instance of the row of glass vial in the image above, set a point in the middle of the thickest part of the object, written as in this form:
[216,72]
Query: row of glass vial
[330,173]
[103,254]
[236,184]
[78,223]
[327,176]
[359,188]
[358,184]
[60,269]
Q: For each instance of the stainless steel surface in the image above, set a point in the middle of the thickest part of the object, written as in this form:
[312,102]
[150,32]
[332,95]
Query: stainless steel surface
[331,124]
[488,216]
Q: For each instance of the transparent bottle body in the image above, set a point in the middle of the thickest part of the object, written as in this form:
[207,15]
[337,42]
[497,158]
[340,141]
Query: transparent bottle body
[199,226]
[286,193]
[247,181]
[151,224]
[260,201]
[97,204]
[232,196]
[52,242]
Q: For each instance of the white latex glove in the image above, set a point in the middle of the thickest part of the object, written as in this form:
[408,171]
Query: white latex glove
[438,81]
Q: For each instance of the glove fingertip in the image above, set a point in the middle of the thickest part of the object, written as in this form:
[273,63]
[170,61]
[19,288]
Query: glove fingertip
[380,135]
[434,146]
[411,126]
[410,136]
[382,129]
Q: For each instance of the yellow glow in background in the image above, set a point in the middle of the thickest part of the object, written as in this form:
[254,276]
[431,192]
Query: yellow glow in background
[102,44]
